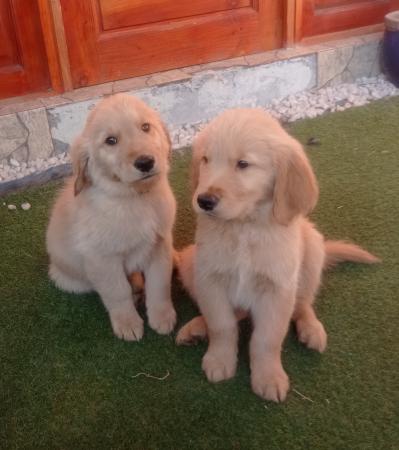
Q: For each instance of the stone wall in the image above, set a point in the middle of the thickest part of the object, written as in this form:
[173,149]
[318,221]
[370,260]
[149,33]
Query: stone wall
[39,137]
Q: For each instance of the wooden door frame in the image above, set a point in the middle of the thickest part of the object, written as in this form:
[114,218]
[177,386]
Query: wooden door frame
[56,45]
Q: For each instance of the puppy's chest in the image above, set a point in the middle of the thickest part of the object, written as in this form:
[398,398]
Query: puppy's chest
[235,250]
[248,261]
[134,225]
[123,227]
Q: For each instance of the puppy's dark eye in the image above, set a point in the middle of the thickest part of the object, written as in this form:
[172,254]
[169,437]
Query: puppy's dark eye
[145,127]
[111,140]
[204,159]
[241,164]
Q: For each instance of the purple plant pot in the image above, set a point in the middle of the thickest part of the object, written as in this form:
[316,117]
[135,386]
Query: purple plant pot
[390,47]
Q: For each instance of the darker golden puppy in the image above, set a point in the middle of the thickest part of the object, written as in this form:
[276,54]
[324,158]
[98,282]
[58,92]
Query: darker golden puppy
[256,252]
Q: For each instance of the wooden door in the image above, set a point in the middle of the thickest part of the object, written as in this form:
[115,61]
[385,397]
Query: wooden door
[327,16]
[114,39]
[23,62]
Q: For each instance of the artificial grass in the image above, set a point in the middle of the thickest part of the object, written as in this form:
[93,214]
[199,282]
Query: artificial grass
[67,383]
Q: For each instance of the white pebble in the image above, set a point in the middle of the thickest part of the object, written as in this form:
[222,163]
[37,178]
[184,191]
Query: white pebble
[14,162]
[25,206]
[11,207]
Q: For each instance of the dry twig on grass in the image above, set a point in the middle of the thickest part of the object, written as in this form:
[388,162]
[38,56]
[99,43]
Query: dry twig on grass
[152,376]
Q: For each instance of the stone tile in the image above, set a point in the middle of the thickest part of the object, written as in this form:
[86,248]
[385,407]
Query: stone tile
[225,64]
[17,105]
[257,59]
[21,154]
[365,61]
[67,121]
[39,139]
[55,100]
[192,69]
[372,37]
[13,135]
[167,77]
[86,93]
[293,52]
[331,64]
[347,64]
[347,42]
[129,84]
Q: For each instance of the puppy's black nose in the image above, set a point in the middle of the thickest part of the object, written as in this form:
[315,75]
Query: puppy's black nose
[144,163]
[207,202]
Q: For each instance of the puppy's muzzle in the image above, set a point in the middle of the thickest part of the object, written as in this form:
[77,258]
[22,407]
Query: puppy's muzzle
[207,202]
[144,163]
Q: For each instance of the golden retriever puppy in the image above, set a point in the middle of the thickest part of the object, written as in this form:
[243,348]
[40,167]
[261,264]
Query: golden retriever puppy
[115,216]
[256,252]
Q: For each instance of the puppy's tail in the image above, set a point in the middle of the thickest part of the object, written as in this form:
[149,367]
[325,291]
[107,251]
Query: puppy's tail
[340,251]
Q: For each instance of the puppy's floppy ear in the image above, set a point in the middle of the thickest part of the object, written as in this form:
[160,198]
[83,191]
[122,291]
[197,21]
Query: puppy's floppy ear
[168,139]
[296,191]
[195,165]
[80,160]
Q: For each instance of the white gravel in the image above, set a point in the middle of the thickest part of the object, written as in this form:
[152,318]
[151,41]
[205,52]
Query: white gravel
[25,206]
[308,104]
[16,169]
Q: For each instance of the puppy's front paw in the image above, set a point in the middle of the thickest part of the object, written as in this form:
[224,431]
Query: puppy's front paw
[270,384]
[312,334]
[218,368]
[162,319]
[127,325]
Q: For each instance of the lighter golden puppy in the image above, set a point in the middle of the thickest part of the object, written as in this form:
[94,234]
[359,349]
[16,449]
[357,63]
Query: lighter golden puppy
[256,252]
[115,216]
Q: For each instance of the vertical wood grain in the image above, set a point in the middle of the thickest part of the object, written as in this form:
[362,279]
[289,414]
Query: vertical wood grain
[290,22]
[46,18]
[57,43]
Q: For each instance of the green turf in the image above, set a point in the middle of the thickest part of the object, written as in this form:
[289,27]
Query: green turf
[66,382]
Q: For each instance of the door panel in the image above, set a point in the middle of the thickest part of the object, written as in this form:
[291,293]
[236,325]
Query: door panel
[23,63]
[116,39]
[8,46]
[125,13]
[327,16]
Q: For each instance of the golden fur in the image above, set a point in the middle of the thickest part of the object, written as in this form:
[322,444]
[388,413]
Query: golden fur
[113,219]
[256,252]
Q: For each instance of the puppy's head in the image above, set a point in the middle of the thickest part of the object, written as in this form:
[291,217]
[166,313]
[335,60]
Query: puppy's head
[124,145]
[244,162]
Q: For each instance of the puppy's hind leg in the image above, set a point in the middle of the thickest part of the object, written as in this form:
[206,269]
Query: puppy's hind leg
[310,330]
[136,280]
[196,330]
[67,282]
[192,332]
